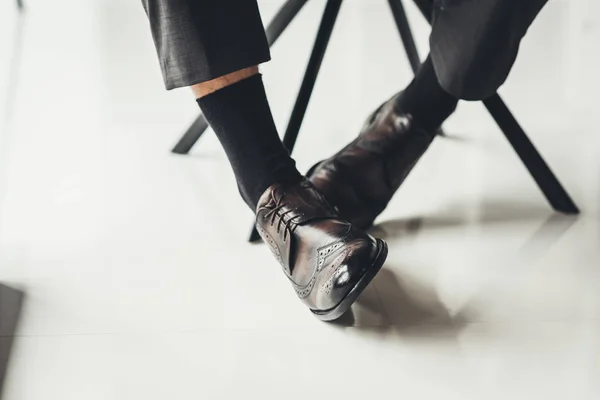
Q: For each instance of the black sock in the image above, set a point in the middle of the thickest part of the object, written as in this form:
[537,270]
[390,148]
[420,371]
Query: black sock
[240,116]
[425,100]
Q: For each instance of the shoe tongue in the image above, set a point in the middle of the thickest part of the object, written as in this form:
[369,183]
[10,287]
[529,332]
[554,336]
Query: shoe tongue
[267,197]
[305,201]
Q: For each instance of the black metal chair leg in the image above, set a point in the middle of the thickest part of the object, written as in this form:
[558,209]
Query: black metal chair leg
[280,22]
[310,77]
[555,193]
[312,71]
[283,18]
[405,34]
[191,136]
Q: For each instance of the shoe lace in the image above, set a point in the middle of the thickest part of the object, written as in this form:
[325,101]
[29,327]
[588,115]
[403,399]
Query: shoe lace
[275,214]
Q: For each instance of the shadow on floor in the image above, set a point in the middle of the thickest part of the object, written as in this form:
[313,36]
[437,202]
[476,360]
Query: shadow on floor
[546,236]
[11,305]
[405,308]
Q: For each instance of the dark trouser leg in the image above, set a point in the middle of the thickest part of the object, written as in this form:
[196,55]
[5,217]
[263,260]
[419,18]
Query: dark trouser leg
[278,24]
[214,46]
[474,43]
[200,40]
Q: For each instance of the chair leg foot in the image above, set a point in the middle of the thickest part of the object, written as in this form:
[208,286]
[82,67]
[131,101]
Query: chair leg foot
[254,236]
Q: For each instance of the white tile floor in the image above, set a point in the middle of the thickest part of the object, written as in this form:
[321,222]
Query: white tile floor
[138,281]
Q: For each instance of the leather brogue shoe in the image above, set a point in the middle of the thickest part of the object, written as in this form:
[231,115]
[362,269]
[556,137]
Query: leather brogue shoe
[328,261]
[361,179]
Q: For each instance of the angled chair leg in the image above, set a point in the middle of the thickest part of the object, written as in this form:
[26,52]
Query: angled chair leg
[280,22]
[191,136]
[555,193]
[312,72]
[405,34]
[328,20]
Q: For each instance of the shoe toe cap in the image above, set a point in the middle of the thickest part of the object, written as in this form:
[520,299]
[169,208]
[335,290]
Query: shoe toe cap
[344,270]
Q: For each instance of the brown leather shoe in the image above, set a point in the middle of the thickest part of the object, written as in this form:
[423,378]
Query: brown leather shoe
[328,261]
[361,179]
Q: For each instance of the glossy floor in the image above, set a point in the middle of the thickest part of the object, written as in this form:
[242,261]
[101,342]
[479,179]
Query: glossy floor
[129,267]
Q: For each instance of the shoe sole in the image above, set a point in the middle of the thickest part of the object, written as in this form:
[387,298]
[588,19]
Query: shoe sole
[344,305]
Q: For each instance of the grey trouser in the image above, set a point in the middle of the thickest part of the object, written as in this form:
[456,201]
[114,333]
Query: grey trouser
[473,43]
